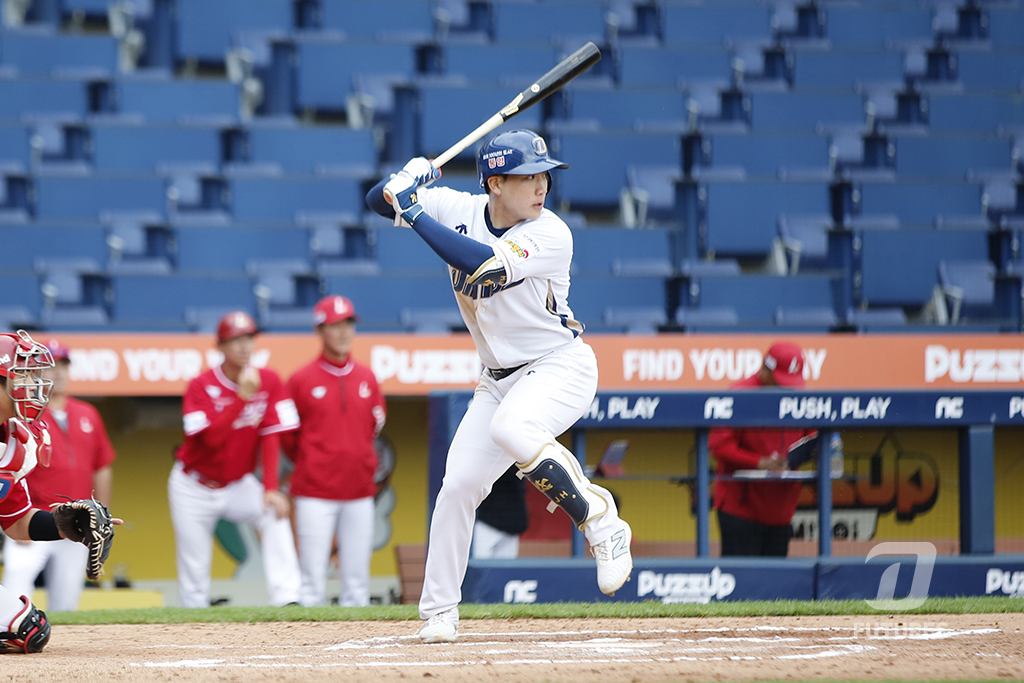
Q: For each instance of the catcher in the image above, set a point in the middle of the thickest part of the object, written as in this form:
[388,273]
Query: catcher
[24,443]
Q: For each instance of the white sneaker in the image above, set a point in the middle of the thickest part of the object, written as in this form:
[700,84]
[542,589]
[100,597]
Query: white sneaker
[614,560]
[443,627]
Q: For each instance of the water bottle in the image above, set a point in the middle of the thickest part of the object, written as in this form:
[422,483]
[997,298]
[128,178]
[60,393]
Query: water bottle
[836,444]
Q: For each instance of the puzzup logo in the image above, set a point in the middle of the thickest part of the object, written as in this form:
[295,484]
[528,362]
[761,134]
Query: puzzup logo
[924,562]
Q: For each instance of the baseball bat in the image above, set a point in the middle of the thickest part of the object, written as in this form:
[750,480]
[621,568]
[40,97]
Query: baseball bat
[566,70]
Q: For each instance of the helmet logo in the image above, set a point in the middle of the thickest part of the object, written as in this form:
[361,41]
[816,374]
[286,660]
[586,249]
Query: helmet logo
[496,162]
[540,147]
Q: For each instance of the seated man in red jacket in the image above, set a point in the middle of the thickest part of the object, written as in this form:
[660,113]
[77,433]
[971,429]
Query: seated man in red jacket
[754,516]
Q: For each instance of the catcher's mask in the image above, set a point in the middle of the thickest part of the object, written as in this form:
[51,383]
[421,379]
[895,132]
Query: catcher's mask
[22,361]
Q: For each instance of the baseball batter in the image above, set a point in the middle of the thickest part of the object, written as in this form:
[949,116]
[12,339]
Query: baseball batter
[80,467]
[508,261]
[342,411]
[233,414]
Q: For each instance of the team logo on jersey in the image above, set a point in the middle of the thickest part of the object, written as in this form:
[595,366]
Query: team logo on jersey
[212,391]
[461,229]
[517,250]
[85,425]
[319,392]
[364,390]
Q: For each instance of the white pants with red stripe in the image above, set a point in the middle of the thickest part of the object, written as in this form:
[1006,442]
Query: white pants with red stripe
[508,420]
[318,523]
[64,562]
[195,511]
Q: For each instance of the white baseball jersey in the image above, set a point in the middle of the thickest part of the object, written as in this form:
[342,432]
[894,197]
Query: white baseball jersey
[528,316]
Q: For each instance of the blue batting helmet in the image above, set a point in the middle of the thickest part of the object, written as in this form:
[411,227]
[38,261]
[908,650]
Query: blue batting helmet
[515,152]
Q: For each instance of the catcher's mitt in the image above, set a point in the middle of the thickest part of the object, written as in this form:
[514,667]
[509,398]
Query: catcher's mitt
[87,521]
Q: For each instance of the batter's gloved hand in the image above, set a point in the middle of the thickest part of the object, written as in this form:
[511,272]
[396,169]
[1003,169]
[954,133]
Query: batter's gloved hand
[401,192]
[422,171]
[88,522]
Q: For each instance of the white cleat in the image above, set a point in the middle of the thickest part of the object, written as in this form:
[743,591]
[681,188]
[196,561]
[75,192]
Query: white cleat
[443,627]
[614,560]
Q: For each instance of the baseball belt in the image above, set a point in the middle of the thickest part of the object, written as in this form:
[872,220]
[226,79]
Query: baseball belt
[502,373]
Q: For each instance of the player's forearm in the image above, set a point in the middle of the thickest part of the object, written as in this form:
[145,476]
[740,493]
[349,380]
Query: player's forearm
[103,485]
[270,451]
[375,200]
[726,449]
[36,525]
[219,431]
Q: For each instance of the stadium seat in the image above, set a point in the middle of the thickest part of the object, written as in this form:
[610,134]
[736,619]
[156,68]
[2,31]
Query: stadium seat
[599,251]
[41,52]
[876,319]
[432,320]
[707,319]
[204,319]
[548,21]
[771,154]
[804,240]
[70,281]
[22,288]
[875,25]
[19,99]
[635,319]
[206,30]
[845,68]
[51,240]
[756,298]
[950,156]
[591,295]
[920,203]
[966,290]
[15,317]
[328,90]
[1005,26]
[805,110]
[741,218]
[380,300]
[158,97]
[87,198]
[512,64]
[409,21]
[898,267]
[292,319]
[15,150]
[712,24]
[806,318]
[401,252]
[653,66]
[159,301]
[629,109]
[1002,70]
[228,248]
[973,111]
[147,147]
[313,149]
[288,197]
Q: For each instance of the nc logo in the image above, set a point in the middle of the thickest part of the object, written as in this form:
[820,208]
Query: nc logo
[949,407]
[716,408]
[521,591]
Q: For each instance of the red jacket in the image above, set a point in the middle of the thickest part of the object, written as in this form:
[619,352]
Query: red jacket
[78,453]
[342,411]
[771,503]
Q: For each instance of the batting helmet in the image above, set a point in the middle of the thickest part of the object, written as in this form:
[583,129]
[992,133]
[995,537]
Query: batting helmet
[515,152]
[22,361]
[235,324]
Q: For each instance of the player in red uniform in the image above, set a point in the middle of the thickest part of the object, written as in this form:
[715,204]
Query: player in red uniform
[79,468]
[342,411]
[233,417]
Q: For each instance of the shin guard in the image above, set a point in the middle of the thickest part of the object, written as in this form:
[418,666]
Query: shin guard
[557,474]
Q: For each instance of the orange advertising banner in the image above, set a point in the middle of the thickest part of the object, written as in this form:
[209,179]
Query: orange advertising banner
[162,364]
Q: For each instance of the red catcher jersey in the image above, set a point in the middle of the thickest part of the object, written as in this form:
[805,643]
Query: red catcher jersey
[15,506]
[269,411]
[342,411]
[771,502]
[78,452]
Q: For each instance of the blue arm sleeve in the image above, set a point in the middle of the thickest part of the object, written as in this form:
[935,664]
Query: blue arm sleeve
[460,252]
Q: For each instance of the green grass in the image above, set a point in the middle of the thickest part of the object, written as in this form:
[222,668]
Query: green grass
[566,610]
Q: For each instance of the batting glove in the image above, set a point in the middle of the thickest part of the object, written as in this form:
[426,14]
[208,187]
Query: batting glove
[401,191]
[422,171]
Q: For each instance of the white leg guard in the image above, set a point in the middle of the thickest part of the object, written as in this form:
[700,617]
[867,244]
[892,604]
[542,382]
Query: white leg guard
[557,474]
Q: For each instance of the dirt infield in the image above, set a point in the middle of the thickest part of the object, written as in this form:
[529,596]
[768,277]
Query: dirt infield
[801,648]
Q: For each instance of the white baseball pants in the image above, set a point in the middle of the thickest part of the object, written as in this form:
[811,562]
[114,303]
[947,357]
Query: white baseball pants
[195,510]
[318,522]
[493,544]
[508,420]
[64,562]
[10,604]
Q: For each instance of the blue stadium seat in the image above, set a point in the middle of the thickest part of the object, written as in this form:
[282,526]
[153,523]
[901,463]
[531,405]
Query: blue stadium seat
[288,197]
[22,290]
[635,319]
[756,298]
[400,251]
[15,150]
[876,319]
[629,109]
[950,156]
[133,148]
[71,281]
[21,98]
[806,318]
[650,66]
[380,300]
[294,319]
[805,241]
[204,319]
[206,247]
[544,22]
[513,63]
[59,240]
[741,218]
[845,68]
[432,320]
[599,163]
[771,154]
[1003,70]
[88,198]
[920,203]
[595,250]
[591,295]
[35,52]
[712,24]
[981,112]
[405,20]
[1006,26]
[328,89]
[805,110]
[898,267]
[314,149]
[877,25]
[969,288]
[160,98]
[14,317]
[206,30]
[707,318]
[159,301]
[448,112]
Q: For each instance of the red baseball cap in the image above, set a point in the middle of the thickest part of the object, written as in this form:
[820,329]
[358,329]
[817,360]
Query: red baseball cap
[332,309]
[58,350]
[235,324]
[786,362]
